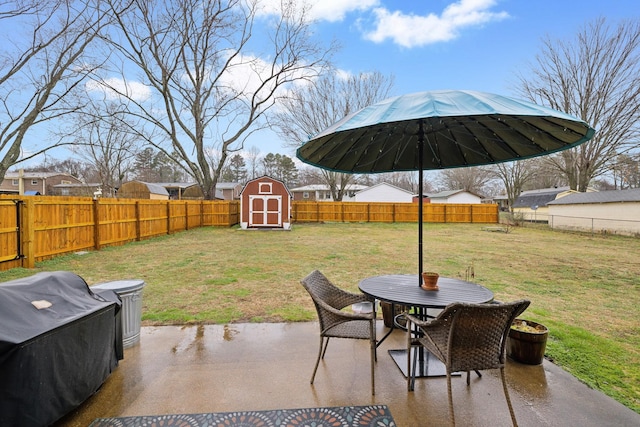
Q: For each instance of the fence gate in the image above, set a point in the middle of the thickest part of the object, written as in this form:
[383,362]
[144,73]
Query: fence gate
[10,249]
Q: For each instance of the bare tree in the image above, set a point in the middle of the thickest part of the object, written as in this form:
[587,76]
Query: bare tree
[312,109]
[253,157]
[595,77]
[42,61]
[471,179]
[544,174]
[514,176]
[209,89]
[102,137]
[626,172]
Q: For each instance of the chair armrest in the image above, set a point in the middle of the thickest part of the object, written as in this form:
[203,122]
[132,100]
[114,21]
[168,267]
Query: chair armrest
[437,325]
[346,314]
[348,298]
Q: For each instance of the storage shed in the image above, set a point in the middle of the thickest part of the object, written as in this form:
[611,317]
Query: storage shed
[142,190]
[265,203]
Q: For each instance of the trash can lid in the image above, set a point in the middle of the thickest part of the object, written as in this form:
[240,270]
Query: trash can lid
[120,285]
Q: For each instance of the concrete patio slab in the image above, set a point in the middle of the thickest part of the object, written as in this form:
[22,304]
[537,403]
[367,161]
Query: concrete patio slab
[242,367]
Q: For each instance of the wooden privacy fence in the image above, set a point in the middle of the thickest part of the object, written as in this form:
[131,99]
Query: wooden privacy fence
[35,228]
[393,212]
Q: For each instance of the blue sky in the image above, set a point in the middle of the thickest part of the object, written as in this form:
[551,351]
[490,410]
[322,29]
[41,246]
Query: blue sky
[464,44]
[444,44]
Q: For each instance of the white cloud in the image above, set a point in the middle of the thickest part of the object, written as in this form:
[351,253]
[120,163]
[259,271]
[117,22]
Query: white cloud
[322,10]
[247,73]
[113,87]
[336,10]
[410,30]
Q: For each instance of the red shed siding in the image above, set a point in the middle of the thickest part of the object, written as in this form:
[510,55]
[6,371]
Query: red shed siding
[266,203]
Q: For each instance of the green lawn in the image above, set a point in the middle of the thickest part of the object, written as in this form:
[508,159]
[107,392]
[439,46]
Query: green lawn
[585,288]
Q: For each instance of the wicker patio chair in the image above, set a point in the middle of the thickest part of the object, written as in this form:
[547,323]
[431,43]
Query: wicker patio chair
[335,323]
[466,337]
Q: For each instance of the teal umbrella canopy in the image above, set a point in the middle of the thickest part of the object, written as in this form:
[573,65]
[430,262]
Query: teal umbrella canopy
[456,129]
[441,130]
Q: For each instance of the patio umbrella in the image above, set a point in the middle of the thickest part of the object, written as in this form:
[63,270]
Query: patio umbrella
[440,130]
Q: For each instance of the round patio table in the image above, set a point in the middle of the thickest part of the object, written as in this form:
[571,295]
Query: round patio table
[403,289]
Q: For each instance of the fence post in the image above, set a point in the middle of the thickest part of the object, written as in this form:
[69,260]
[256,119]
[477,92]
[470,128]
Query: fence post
[28,233]
[96,224]
[186,215]
[137,211]
[168,217]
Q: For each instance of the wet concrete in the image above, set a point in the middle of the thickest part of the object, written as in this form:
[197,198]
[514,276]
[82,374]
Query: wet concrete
[239,367]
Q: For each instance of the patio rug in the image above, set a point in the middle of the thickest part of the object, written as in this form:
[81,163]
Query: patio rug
[341,416]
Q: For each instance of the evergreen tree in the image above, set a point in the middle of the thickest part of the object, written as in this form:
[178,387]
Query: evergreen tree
[236,171]
[280,167]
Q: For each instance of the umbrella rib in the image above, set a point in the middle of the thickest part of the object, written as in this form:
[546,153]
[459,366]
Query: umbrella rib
[500,141]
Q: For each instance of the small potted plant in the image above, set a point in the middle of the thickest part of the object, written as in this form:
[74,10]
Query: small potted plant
[430,281]
[527,341]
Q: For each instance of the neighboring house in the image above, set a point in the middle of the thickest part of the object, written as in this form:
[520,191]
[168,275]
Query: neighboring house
[531,205]
[190,190]
[265,202]
[382,192]
[453,196]
[194,192]
[79,190]
[35,182]
[142,190]
[604,211]
[229,190]
[322,193]
[502,200]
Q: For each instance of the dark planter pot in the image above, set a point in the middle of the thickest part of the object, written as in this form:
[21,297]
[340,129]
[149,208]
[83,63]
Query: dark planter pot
[388,314]
[527,346]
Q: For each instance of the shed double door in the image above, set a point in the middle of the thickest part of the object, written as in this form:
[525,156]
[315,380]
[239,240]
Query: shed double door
[265,211]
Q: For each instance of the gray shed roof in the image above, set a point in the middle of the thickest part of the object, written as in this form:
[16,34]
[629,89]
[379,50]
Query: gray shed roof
[156,188]
[541,197]
[614,196]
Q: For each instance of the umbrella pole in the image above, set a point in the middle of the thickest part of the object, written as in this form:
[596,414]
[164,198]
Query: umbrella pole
[420,196]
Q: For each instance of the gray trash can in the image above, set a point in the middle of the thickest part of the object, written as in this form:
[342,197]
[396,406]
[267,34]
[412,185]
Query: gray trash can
[130,291]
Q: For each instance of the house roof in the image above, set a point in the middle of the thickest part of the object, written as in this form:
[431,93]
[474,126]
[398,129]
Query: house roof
[78,185]
[540,197]
[555,190]
[384,184]
[323,187]
[176,184]
[447,194]
[227,185]
[219,185]
[613,196]
[41,175]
